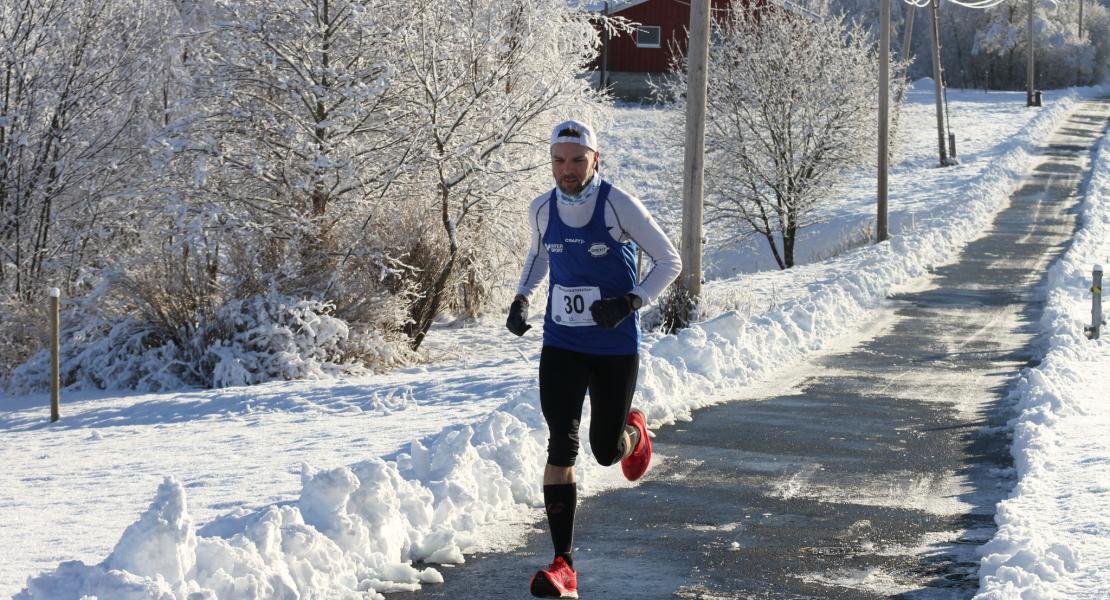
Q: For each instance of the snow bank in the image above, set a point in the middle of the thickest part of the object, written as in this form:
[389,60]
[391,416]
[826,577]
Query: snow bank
[352,534]
[1043,545]
[926,84]
[355,530]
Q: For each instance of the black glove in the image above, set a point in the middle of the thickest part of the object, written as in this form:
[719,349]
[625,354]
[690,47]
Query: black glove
[517,313]
[609,312]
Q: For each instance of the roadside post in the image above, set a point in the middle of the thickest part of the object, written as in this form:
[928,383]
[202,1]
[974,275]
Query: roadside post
[55,352]
[1096,305]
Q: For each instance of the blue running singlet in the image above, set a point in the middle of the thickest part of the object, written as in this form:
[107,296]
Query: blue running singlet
[587,264]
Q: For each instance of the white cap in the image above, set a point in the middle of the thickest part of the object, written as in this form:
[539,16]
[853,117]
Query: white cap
[54,293]
[574,132]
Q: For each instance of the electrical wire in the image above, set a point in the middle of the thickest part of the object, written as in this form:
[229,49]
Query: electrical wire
[964,3]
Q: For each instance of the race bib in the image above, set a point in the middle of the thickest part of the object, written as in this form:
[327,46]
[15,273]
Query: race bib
[570,306]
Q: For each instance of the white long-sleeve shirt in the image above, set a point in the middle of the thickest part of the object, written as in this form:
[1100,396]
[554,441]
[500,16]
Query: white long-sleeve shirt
[627,220]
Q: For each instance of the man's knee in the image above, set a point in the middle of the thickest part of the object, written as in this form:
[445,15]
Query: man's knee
[555,475]
[562,451]
[608,455]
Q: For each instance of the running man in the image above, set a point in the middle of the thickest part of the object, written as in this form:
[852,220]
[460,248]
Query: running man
[584,232]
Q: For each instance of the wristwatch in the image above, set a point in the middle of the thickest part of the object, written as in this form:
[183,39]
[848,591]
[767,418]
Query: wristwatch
[634,301]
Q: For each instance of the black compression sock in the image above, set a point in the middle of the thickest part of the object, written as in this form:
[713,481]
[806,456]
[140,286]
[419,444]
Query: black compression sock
[559,501]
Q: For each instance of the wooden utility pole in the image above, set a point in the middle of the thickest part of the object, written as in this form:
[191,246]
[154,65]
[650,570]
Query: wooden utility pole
[881,234]
[907,49]
[938,78]
[907,39]
[693,176]
[1078,66]
[1029,74]
[55,351]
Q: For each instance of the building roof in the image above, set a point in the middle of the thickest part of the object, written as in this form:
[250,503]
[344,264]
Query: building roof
[614,5]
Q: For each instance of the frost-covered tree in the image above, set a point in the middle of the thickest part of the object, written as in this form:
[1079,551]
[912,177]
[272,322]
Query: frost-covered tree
[986,47]
[252,189]
[358,140]
[485,81]
[1062,56]
[282,189]
[1096,25]
[76,94]
[790,110]
[299,127]
[287,150]
[79,85]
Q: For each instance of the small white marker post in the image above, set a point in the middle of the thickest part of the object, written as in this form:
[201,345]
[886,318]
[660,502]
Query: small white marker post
[55,352]
[1096,304]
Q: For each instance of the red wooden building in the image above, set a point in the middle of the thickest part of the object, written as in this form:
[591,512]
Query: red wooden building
[627,61]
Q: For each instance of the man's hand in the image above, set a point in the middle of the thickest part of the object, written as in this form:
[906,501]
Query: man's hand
[517,314]
[609,312]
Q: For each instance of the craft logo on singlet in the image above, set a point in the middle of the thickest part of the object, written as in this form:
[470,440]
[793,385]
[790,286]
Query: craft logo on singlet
[598,249]
[554,248]
[575,241]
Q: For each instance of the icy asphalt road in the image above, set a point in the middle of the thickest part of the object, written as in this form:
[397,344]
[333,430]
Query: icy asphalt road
[873,474]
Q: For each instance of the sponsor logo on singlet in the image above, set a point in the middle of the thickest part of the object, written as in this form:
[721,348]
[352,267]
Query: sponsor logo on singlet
[554,248]
[598,249]
[575,241]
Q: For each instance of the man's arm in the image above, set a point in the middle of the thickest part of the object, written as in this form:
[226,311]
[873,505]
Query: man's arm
[535,265]
[637,224]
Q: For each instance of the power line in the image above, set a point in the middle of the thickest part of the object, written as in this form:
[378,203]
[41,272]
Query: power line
[964,3]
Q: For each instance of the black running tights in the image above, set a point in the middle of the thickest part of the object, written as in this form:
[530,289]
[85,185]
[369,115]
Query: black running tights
[565,376]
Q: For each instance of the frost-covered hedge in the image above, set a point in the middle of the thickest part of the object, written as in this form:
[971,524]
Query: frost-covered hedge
[247,341]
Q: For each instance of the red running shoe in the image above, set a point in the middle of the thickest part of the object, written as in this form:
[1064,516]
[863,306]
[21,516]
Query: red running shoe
[556,581]
[636,464]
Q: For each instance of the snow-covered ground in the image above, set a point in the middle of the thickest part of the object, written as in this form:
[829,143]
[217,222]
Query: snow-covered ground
[331,488]
[1054,531]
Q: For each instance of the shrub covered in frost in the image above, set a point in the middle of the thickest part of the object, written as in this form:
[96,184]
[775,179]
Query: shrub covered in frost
[100,353]
[247,341]
[22,334]
[276,337]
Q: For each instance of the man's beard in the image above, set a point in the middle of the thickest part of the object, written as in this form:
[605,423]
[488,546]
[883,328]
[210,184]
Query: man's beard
[579,185]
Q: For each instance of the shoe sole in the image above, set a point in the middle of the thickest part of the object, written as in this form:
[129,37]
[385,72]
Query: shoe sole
[543,588]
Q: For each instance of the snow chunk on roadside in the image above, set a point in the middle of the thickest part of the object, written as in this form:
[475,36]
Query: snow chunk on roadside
[75,579]
[163,540]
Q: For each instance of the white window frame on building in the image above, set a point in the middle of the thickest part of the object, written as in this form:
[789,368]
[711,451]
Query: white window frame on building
[658,36]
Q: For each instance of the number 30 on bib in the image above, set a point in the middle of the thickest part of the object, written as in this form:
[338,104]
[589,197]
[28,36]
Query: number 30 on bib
[570,306]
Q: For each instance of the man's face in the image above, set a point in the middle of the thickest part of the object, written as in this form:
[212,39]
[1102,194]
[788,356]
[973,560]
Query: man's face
[572,165]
